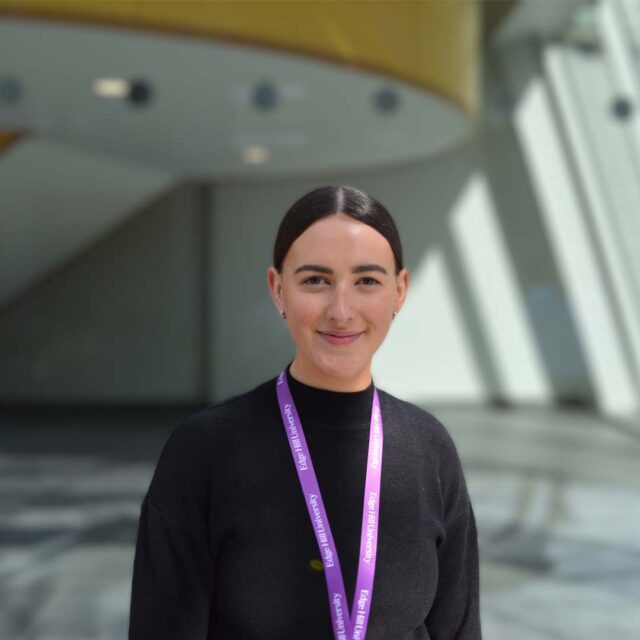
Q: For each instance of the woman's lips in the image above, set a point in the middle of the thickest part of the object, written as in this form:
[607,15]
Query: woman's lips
[334,339]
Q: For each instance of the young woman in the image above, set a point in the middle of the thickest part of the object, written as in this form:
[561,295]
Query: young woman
[315,505]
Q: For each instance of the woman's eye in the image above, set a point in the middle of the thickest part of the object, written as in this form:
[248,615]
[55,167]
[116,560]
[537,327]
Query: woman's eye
[310,278]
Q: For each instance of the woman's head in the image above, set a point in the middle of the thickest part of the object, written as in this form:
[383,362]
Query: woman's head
[326,201]
[337,269]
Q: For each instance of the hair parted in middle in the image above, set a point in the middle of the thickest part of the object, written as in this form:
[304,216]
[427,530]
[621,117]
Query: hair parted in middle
[332,200]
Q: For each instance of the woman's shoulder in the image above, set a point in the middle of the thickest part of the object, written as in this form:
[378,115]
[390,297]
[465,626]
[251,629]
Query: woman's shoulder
[423,434]
[418,432]
[417,419]
[204,436]
[230,413]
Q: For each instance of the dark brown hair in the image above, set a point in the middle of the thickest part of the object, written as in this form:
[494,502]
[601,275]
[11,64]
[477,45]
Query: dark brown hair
[330,200]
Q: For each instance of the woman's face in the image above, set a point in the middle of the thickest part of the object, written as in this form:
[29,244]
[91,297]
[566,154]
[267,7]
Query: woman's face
[338,278]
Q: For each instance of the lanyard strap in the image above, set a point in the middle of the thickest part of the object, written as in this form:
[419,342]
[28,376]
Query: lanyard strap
[345,626]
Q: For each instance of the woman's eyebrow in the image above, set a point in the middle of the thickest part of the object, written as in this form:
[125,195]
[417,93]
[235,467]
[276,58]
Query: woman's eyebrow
[359,269]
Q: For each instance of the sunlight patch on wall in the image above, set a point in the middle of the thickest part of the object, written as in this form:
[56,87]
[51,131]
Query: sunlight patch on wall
[427,354]
[489,271]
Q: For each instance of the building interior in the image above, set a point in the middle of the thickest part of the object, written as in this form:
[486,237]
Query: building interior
[148,150]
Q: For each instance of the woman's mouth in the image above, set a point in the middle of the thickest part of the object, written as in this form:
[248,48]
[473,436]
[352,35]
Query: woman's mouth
[336,338]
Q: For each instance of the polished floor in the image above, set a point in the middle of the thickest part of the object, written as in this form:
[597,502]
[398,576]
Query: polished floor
[556,496]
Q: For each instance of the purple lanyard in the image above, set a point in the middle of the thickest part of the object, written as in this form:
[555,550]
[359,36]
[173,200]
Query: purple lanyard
[345,627]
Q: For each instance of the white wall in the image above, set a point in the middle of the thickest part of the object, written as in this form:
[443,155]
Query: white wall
[120,323]
[486,317]
[55,200]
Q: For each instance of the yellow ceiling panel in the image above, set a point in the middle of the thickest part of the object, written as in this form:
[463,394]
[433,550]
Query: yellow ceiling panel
[432,44]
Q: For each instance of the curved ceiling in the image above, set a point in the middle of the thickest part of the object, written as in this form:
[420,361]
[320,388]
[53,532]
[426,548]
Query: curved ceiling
[429,44]
[349,84]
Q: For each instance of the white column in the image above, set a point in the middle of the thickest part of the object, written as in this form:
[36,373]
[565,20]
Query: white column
[539,136]
[580,86]
[623,67]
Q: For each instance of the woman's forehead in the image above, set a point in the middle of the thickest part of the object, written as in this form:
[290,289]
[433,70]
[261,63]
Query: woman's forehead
[338,231]
[331,250]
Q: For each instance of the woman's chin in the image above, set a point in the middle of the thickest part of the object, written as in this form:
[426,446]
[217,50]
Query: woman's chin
[339,367]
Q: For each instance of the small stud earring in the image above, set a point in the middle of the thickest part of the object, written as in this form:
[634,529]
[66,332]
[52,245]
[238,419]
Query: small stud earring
[283,314]
[395,313]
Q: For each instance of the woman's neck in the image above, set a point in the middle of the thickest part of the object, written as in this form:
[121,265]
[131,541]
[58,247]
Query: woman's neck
[311,376]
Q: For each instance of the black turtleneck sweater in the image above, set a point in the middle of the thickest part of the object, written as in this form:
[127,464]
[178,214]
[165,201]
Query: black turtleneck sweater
[225,548]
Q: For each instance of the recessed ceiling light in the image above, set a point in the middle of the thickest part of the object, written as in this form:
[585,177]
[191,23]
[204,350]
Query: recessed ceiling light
[10,90]
[386,100]
[140,93]
[265,95]
[622,108]
[255,154]
[113,88]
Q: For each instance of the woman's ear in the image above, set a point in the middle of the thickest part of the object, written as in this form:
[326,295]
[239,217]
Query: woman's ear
[274,280]
[402,287]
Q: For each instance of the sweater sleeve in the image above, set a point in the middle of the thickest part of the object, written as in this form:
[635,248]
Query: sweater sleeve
[455,612]
[173,565]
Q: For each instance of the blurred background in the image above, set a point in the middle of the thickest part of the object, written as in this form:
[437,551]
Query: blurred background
[148,151]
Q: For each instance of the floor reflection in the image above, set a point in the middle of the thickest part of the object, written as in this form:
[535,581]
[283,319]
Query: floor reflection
[556,496]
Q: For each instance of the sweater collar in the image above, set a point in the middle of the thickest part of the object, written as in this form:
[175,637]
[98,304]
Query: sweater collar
[331,410]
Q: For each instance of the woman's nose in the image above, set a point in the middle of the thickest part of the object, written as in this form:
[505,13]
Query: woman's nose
[341,304]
